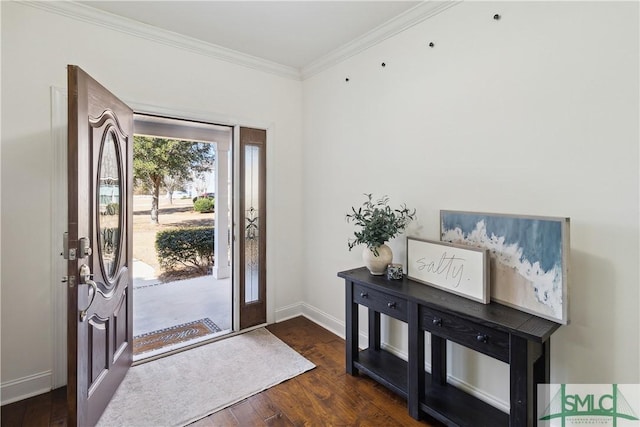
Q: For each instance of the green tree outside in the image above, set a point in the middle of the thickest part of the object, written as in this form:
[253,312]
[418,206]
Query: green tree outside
[160,160]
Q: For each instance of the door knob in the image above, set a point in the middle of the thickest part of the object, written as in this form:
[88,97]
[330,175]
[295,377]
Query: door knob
[85,274]
[86,279]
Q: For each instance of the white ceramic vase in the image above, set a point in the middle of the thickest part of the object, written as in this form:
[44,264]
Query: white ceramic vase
[377,264]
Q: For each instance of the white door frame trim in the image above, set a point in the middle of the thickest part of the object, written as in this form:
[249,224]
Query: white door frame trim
[58,227]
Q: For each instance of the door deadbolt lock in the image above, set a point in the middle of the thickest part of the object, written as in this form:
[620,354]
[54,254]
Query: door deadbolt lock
[84,248]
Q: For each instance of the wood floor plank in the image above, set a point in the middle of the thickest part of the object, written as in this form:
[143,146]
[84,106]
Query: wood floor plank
[263,406]
[204,422]
[246,414]
[223,418]
[332,406]
[58,423]
[300,331]
[278,420]
[293,402]
[324,396]
[13,413]
[38,411]
[347,407]
[59,406]
[329,356]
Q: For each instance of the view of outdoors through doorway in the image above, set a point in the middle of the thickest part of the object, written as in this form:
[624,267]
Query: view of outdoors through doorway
[182,295]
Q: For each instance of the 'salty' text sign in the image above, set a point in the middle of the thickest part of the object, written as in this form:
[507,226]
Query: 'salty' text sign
[458,269]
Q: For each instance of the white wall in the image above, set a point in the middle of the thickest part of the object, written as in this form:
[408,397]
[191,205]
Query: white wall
[536,113]
[36,47]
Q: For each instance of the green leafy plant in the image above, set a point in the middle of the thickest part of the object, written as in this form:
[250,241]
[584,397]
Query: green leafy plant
[203,205]
[190,248]
[378,222]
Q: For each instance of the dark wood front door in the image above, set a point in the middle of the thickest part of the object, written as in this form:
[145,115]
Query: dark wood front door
[100,298]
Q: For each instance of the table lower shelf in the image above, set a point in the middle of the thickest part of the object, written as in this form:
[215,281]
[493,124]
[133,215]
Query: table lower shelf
[445,403]
[455,407]
[385,368]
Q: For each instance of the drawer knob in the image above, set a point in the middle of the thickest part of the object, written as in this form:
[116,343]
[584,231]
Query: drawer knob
[482,338]
[364,295]
[437,322]
[391,304]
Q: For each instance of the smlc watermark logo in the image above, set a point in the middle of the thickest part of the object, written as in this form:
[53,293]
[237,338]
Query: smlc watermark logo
[562,405]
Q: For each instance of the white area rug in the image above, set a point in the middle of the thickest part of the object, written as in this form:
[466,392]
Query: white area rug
[180,389]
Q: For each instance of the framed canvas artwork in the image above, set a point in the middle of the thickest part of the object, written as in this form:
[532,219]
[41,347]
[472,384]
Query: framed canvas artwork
[528,257]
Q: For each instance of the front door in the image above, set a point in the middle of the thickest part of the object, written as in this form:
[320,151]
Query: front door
[100,293]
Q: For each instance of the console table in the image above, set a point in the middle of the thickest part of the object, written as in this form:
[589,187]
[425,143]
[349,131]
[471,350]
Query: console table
[504,333]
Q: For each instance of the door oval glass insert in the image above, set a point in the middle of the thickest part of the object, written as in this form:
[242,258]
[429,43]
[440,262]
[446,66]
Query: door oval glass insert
[109,204]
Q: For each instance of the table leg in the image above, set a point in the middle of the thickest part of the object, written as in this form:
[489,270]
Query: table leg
[351,329]
[415,369]
[541,371]
[374,330]
[438,360]
[521,361]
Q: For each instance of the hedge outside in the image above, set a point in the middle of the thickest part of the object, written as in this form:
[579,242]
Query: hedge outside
[204,205]
[190,247]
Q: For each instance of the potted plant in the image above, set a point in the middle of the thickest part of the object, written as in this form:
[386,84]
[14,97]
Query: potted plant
[378,224]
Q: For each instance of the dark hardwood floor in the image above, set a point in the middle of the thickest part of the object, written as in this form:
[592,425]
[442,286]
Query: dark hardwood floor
[324,396]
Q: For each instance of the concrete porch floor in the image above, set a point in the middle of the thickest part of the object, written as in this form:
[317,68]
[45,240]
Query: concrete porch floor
[162,305]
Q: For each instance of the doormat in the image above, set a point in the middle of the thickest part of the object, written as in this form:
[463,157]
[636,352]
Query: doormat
[173,335]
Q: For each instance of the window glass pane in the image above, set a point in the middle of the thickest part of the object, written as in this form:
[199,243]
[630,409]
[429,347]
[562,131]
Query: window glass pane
[109,206]
[252,223]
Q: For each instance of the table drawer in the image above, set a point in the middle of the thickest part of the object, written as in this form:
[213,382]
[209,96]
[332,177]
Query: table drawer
[381,302]
[483,339]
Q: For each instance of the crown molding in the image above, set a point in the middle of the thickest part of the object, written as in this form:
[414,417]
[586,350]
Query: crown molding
[88,14]
[94,16]
[400,23]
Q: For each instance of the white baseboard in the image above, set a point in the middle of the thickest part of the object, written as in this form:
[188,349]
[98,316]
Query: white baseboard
[480,394]
[29,386]
[337,326]
[288,312]
[317,316]
[401,354]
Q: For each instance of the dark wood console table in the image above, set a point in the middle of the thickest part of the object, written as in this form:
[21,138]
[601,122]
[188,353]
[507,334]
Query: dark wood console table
[504,333]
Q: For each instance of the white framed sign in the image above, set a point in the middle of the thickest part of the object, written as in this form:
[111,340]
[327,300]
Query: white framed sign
[458,269]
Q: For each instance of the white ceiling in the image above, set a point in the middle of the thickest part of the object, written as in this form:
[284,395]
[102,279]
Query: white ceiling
[290,33]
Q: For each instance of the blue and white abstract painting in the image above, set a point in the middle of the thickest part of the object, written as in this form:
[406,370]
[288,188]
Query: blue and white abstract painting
[528,257]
